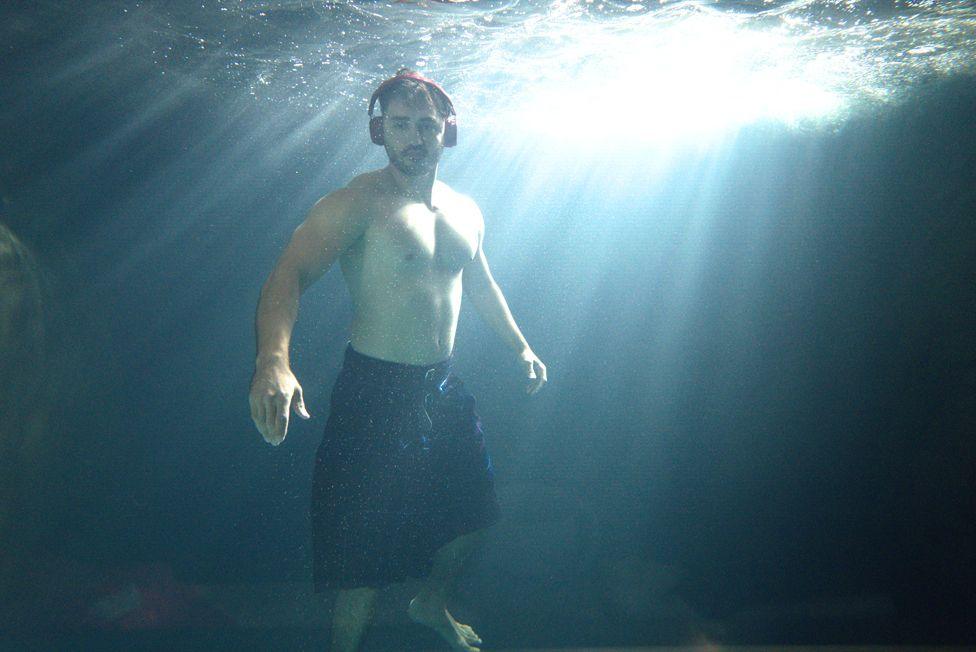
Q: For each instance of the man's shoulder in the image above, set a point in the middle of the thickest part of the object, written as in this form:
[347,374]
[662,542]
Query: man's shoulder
[360,188]
[351,199]
[367,182]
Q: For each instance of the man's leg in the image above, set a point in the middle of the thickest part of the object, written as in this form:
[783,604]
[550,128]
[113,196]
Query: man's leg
[447,565]
[352,615]
[429,607]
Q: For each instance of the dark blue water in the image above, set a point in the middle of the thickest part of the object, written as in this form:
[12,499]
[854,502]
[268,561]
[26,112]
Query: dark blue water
[757,316]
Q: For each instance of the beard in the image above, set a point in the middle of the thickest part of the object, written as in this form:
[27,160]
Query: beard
[412,162]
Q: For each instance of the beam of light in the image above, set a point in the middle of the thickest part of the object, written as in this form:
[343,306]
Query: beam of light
[666,80]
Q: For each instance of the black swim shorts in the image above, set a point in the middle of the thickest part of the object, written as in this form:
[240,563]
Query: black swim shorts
[402,469]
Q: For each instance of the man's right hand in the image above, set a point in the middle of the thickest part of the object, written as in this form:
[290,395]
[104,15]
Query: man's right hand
[273,389]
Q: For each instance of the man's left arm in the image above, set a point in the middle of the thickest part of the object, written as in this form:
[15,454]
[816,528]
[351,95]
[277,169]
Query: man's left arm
[488,300]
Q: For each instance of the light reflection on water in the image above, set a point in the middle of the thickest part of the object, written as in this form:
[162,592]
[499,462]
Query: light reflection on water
[682,66]
[854,52]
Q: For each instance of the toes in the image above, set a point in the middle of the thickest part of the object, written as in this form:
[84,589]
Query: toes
[469,634]
[465,645]
[466,633]
[465,630]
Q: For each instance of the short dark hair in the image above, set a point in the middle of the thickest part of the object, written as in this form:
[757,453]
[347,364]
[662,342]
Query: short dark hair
[411,89]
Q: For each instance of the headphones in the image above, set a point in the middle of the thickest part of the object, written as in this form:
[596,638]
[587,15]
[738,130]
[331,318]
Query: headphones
[376,122]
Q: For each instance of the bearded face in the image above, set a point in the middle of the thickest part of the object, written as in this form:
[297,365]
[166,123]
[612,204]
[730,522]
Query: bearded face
[413,135]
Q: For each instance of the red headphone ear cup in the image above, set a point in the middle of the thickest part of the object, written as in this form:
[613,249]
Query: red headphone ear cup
[376,130]
[450,132]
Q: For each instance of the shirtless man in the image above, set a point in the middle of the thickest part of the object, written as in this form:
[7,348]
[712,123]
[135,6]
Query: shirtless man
[403,483]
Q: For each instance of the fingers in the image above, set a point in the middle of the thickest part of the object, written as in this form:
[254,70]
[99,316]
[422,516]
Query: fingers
[537,374]
[257,413]
[274,393]
[273,418]
[299,403]
[281,422]
[282,405]
[270,420]
[279,419]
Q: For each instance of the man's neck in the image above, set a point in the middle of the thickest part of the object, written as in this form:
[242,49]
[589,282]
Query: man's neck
[419,188]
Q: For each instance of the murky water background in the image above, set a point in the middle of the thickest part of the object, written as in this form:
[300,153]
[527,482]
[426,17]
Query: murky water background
[738,233]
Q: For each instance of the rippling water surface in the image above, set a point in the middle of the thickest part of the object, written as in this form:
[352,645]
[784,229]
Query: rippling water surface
[693,62]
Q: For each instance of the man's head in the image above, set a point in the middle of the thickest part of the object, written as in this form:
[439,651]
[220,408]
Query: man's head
[417,122]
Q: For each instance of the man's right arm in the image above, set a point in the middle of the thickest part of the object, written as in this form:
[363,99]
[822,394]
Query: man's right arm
[333,224]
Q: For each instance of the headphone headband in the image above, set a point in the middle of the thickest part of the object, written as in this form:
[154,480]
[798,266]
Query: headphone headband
[416,77]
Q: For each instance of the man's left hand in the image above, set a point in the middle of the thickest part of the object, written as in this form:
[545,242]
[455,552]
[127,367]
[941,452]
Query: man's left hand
[534,370]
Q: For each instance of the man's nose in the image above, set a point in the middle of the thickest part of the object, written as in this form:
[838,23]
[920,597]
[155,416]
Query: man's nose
[416,136]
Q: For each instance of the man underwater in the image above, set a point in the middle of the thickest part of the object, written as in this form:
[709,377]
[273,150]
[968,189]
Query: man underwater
[403,484]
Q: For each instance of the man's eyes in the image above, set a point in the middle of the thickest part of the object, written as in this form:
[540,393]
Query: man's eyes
[426,126]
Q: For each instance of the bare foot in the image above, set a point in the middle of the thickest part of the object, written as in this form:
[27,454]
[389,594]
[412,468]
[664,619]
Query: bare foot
[436,616]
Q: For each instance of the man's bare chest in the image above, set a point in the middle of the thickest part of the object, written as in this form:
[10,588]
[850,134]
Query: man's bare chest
[413,237]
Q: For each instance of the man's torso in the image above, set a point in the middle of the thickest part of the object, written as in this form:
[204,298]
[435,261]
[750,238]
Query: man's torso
[404,273]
